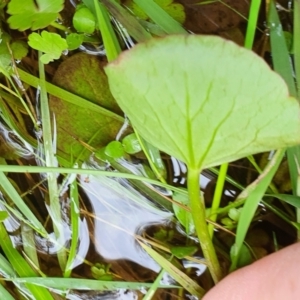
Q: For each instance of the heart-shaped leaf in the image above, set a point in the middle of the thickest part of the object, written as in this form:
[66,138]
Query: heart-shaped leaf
[203,99]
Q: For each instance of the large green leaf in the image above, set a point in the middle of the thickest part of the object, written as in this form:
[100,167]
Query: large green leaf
[203,99]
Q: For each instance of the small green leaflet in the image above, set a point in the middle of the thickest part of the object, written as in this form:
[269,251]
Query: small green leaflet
[74,40]
[52,44]
[33,14]
[19,49]
[84,20]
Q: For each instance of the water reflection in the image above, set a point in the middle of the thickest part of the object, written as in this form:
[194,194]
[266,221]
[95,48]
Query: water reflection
[120,212]
[120,294]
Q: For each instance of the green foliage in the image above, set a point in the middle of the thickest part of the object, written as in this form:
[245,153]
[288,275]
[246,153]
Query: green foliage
[3,215]
[183,216]
[175,10]
[183,251]
[84,20]
[114,150]
[33,14]
[245,257]
[91,117]
[186,124]
[74,40]
[5,58]
[131,144]
[19,49]
[101,272]
[52,44]
[207,112]
[234,213]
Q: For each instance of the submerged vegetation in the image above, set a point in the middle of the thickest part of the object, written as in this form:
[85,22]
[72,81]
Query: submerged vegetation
[94,137]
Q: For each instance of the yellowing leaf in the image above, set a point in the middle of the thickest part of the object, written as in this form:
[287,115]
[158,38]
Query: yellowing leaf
[203,99]
[52,44]
[33,14]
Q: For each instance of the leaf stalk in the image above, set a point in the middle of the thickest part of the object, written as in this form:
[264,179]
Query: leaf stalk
[198,213]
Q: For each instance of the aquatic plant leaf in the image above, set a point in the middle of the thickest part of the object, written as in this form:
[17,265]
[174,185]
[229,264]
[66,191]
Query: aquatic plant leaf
[33,14]
[203,99]
[83,75]
[182,215]
[74,40]
[131,144]
[114,150]
[51,44]
[19,49]
[84,20]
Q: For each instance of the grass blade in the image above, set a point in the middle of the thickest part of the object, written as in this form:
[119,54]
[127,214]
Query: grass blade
[110,41]
[179,276]
[54,206]
[34,169]
[132,25]
[283,66]
[21,266]
[253,194]
[18,201]
[67,96]
[75,218]
[160,17]
[84,284]
[280,54]
[29,244]
[4,294]
[296,43]
[252,23]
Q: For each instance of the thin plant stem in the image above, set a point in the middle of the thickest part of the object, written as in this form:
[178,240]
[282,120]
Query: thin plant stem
[217,197]
[198,214]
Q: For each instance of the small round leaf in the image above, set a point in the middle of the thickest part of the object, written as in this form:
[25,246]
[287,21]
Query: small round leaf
[84,20]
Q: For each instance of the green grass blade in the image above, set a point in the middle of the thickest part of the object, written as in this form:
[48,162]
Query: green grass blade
[290,199]
[75,218]
[253,194]
[154,158]
[186,282]
[296,43]
[132,25]
[29,244]
[6,268]
[4,294]
[67,96]
[54,206]
[20,265]
[252,23]
[34,169]
[84,284]
[283,66]
[217,197]
[150,293]
[11,192]
[110,41]
[280,54]
[160,17]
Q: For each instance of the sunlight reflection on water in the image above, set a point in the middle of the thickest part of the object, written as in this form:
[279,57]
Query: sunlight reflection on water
[118,217]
